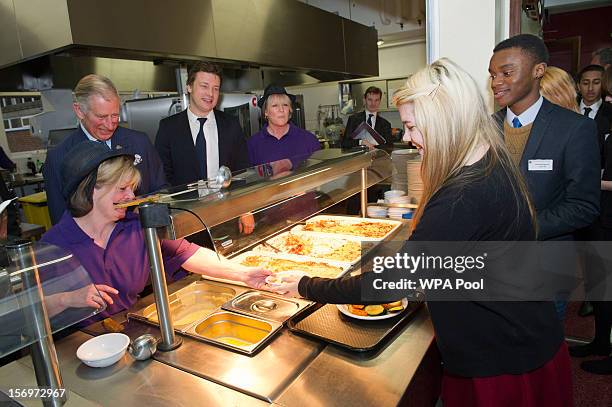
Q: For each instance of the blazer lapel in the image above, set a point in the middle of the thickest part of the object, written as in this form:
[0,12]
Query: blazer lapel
[540,125]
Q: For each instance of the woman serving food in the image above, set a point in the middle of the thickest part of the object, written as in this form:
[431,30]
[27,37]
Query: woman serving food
[109,241]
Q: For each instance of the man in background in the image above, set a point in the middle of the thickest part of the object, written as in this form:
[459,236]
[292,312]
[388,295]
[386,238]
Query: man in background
[591,100]
[603,57]
[97,106]
[371,101]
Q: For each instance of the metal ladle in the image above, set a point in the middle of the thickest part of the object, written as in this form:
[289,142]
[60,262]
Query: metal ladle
[222,180]
[143,347]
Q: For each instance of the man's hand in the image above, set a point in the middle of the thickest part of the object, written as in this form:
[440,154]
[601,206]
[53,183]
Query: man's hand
[246,224]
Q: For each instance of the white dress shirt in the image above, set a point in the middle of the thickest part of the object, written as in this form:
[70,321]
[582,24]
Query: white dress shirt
[594,108]
[92,138]
[373,117]
[212,140]
[528,116]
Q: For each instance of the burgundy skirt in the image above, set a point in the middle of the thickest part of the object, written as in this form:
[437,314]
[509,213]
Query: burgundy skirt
[549,385]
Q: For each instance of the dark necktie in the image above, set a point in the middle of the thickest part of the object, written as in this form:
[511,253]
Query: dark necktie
[200,147]
[370,120]
[587,110]
[103,143]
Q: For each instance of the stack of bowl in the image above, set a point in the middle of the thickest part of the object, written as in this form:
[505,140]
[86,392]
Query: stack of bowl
[377,211]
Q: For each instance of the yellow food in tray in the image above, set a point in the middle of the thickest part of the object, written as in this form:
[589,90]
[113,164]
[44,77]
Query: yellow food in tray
[333,249]
[364,228]
[311,268]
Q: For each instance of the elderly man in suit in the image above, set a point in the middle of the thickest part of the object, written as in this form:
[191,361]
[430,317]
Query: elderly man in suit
[371,101]
[193,143]
[97,106]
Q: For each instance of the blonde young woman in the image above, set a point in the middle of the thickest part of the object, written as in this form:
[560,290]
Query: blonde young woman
[494,353]
[558,87]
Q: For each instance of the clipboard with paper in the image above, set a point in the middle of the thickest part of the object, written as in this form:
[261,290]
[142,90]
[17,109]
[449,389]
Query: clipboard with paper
[365,132]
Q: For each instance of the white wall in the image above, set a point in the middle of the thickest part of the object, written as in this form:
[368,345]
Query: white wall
[465,33]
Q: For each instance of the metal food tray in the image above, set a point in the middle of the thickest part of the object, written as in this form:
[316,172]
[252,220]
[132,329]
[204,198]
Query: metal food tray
[330,325]
[349,220]
[330,239]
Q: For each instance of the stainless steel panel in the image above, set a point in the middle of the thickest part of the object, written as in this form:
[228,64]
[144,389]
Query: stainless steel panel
[338,378]
[264,375]
[360,48]
[163,28]
[133,383]
[278,32]
[43,25]
[9,39]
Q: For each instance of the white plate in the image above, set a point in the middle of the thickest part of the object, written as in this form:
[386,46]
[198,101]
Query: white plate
[343,308]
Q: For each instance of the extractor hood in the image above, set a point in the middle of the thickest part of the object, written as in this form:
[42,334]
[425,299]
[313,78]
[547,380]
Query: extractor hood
[240,34]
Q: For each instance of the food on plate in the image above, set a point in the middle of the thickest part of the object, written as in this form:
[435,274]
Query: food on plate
[310,268]
[357,311]
[363,228]
[333,249]
[376,310]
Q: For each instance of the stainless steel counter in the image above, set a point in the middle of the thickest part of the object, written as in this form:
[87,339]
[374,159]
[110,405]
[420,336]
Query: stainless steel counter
[290,371]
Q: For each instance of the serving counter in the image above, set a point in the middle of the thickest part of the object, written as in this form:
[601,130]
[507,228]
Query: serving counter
[290,370]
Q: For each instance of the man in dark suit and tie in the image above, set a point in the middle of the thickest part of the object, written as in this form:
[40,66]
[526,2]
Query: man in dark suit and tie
[194,143]
[371,100]
[591,102]
[97,107]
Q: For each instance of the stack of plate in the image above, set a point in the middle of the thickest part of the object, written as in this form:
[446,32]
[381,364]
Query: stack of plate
[399,158]
[415,183]
[394,193]
[377,211]
[396,213]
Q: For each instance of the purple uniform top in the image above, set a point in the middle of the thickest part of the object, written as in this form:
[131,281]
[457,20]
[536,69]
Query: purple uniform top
[297,145]
[124,264]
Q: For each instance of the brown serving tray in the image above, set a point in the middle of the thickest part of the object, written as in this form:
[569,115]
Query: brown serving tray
[328,324]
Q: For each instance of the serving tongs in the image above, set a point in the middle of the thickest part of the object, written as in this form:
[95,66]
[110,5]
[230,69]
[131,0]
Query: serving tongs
[276,249]
[222,180]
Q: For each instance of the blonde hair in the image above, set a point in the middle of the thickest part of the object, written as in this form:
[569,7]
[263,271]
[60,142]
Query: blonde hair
[277,97]
[450,113]
[109,172]
[91,85]
[559,87]
[606,82]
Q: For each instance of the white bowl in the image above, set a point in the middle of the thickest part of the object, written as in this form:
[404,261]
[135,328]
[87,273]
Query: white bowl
[103,350]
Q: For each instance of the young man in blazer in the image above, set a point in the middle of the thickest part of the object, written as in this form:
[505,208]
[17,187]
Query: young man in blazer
[97,107]
[591,102]
[556,149]
[194,143]
[371,101]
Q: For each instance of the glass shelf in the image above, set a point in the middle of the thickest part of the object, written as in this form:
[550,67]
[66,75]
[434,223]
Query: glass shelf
[43,289]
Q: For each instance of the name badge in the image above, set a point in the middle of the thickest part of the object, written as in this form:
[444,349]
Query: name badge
[540,165]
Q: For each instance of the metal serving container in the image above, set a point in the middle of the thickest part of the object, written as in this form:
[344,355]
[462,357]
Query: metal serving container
[241,333]
[263,305]
[190,304]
